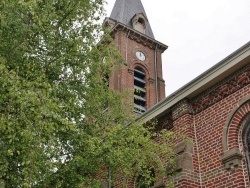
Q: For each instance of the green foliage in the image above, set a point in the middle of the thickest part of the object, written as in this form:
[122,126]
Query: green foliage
[60,125]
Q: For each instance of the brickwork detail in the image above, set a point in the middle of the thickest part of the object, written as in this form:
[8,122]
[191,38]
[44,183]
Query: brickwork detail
[233,129]
[181,108]
[165,122]
[218,165]
[223,89]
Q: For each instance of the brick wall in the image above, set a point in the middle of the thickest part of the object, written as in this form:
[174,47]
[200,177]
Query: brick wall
[204,120]
[123,77]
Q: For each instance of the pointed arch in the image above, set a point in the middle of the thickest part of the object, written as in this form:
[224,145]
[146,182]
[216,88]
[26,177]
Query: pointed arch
[245,142]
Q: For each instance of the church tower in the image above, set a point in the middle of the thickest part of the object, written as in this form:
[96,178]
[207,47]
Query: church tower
[142,70]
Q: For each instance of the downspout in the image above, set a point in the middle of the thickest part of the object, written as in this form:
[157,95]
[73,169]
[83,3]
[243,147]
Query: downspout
[198,152]
[126,57]
[156,76]
[127,47]
[109,178]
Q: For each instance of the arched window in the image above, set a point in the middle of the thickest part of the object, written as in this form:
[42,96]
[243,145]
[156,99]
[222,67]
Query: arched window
[139,90]
[246,144]
[141,21]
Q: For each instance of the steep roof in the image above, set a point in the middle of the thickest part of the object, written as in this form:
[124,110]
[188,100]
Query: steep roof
[124,10]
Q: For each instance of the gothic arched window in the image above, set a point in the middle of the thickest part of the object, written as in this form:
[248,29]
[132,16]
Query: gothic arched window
[246,145]
[139,90]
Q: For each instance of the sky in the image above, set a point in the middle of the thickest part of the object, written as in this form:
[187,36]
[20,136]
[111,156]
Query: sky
[198,33]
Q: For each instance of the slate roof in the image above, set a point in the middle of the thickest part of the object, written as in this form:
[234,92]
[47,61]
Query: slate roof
[124,10]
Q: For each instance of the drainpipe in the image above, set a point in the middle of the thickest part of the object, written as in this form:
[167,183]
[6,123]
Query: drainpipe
[198,151]
[109,178]
[156,75]
[127,47]
[126,55]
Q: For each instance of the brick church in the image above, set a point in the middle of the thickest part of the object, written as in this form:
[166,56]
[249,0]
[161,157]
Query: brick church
[213,110]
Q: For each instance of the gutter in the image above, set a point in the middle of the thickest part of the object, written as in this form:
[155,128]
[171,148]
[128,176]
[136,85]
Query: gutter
[224,68]
[156,76]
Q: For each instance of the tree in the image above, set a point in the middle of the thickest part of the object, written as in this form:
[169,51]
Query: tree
[60,125]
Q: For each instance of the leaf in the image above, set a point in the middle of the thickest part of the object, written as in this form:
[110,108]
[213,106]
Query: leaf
[60,124]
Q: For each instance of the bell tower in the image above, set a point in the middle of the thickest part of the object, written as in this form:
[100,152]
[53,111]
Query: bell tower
[142,70]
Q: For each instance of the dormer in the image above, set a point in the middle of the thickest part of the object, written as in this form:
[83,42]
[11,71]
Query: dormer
[139,22]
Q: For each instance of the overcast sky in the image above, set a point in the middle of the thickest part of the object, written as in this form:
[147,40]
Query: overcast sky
[199,33]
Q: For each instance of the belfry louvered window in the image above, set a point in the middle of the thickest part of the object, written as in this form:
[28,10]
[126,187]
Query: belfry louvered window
[139,90]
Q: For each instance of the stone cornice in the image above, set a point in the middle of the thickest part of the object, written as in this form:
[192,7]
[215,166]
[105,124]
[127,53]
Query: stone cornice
[135,35]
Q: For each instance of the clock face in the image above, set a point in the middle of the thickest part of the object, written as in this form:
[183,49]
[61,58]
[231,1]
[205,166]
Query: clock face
[140,55]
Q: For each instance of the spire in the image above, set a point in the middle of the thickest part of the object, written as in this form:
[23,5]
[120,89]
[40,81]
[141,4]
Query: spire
[131,12]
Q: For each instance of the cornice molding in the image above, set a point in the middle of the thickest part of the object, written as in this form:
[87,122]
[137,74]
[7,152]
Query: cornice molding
[134,35]
[222,89]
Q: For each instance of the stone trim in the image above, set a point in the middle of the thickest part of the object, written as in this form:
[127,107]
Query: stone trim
[232,156]
[138,36]
[151,80]
[160,79]
[232,159]
[184,159]
[234,121]
[187,175]
[131,71]
[144,66]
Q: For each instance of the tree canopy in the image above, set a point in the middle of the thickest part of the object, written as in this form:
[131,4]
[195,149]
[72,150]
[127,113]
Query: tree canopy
[60,124]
